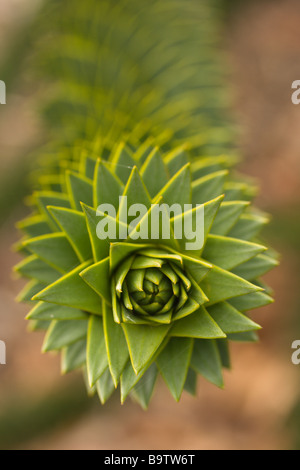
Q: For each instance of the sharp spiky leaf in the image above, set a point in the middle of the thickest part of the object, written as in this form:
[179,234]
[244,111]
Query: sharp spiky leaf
[73,356]
[227,253]
[63,333]
[220,285]
[116,348]
[177,190]
[97,361]
[223,347]
[105,386]
[143,342]
[128,380]
[55,250]
[73,224]
[107,188]
[143,391]
[34,268]
[206,361]
[48,312]
[80,190]
[208,187]
[154,173]
[97,277]
[229,213]
[230,319]
[198,325]
[175,372]
[191,382]
[71,291]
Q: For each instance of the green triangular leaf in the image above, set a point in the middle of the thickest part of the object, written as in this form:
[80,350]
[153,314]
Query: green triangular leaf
[229,213]
[197,293]
[71,291]
[143,151]
[173,363]
[116,347]
[206,361]
[231,320]
[143,342]
[34,226]
[80,190]
[100,248]
[87,165]
[190,385]
[55,250]
[143,391]
[178,189]
[190,227]
[135,192]
[187,309]
[197,325]
[248,226]
[105,386]
[73,224]
[176,160]
[64,333]
[128,380]
[251,301]
[48,312]
[221,285]
[197,268]
[246,337]
[120,251]
[227,253]
[49,198]
[236,191]
[207,165]
[210,211]
[97,361]
[32,288]
[39,325]
[107,186]
[154,173]
[208,187]
[97,277]
[33,267]
[73,357]
[123,162]
[223,349]
[255,267]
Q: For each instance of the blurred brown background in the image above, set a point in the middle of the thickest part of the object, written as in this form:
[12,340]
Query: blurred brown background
[259,408]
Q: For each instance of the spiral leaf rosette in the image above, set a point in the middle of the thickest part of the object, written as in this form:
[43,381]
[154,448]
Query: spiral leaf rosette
[130,308]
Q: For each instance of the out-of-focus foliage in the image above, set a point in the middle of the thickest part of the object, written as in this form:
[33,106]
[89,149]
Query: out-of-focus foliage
[131,70]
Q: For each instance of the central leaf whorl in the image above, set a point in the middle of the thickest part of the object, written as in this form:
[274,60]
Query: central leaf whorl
[151,286]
